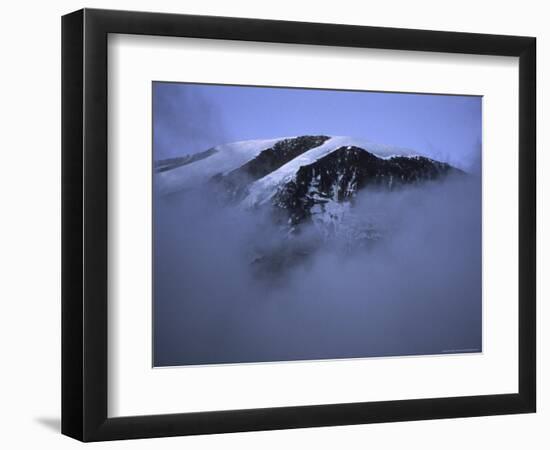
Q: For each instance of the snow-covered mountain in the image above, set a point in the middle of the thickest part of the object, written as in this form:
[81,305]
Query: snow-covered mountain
[305,179]
[220,160]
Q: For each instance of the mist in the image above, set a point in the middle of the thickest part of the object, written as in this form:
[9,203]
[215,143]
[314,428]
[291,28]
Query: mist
[414,290]
[185,121]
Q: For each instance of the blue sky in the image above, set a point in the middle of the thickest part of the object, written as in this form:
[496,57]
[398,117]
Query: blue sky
[188,118]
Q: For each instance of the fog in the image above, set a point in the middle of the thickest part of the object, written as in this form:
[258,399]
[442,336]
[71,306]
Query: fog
[184,121]
[415,290]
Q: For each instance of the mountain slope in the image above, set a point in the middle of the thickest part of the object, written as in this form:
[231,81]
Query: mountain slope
[269,160]
[263,190]
[223,158]
[172,163]
[317,188]
[305,179]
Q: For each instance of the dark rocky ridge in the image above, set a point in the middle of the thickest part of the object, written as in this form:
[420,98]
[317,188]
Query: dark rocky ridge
[235,182]
[164,165]
[342,173]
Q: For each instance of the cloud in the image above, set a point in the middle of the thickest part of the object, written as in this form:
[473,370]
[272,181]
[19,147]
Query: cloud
[184,121]
[417,290]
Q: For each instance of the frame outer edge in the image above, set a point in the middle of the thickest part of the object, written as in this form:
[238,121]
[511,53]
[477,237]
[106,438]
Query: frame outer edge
[72,371]
[84,225]
[95,226]
[528,225]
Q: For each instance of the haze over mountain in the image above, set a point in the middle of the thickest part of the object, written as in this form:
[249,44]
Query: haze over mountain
[304,179]
[313,247]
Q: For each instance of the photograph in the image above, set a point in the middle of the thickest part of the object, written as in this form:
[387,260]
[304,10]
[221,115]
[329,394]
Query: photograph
[304,224]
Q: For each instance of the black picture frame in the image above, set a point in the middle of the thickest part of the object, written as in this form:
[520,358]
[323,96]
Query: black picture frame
[84,224]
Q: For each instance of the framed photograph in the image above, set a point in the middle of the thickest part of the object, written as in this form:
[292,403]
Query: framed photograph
[273,224]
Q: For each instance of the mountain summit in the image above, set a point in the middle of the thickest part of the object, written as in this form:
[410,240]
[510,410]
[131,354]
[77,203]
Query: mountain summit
[304,178]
